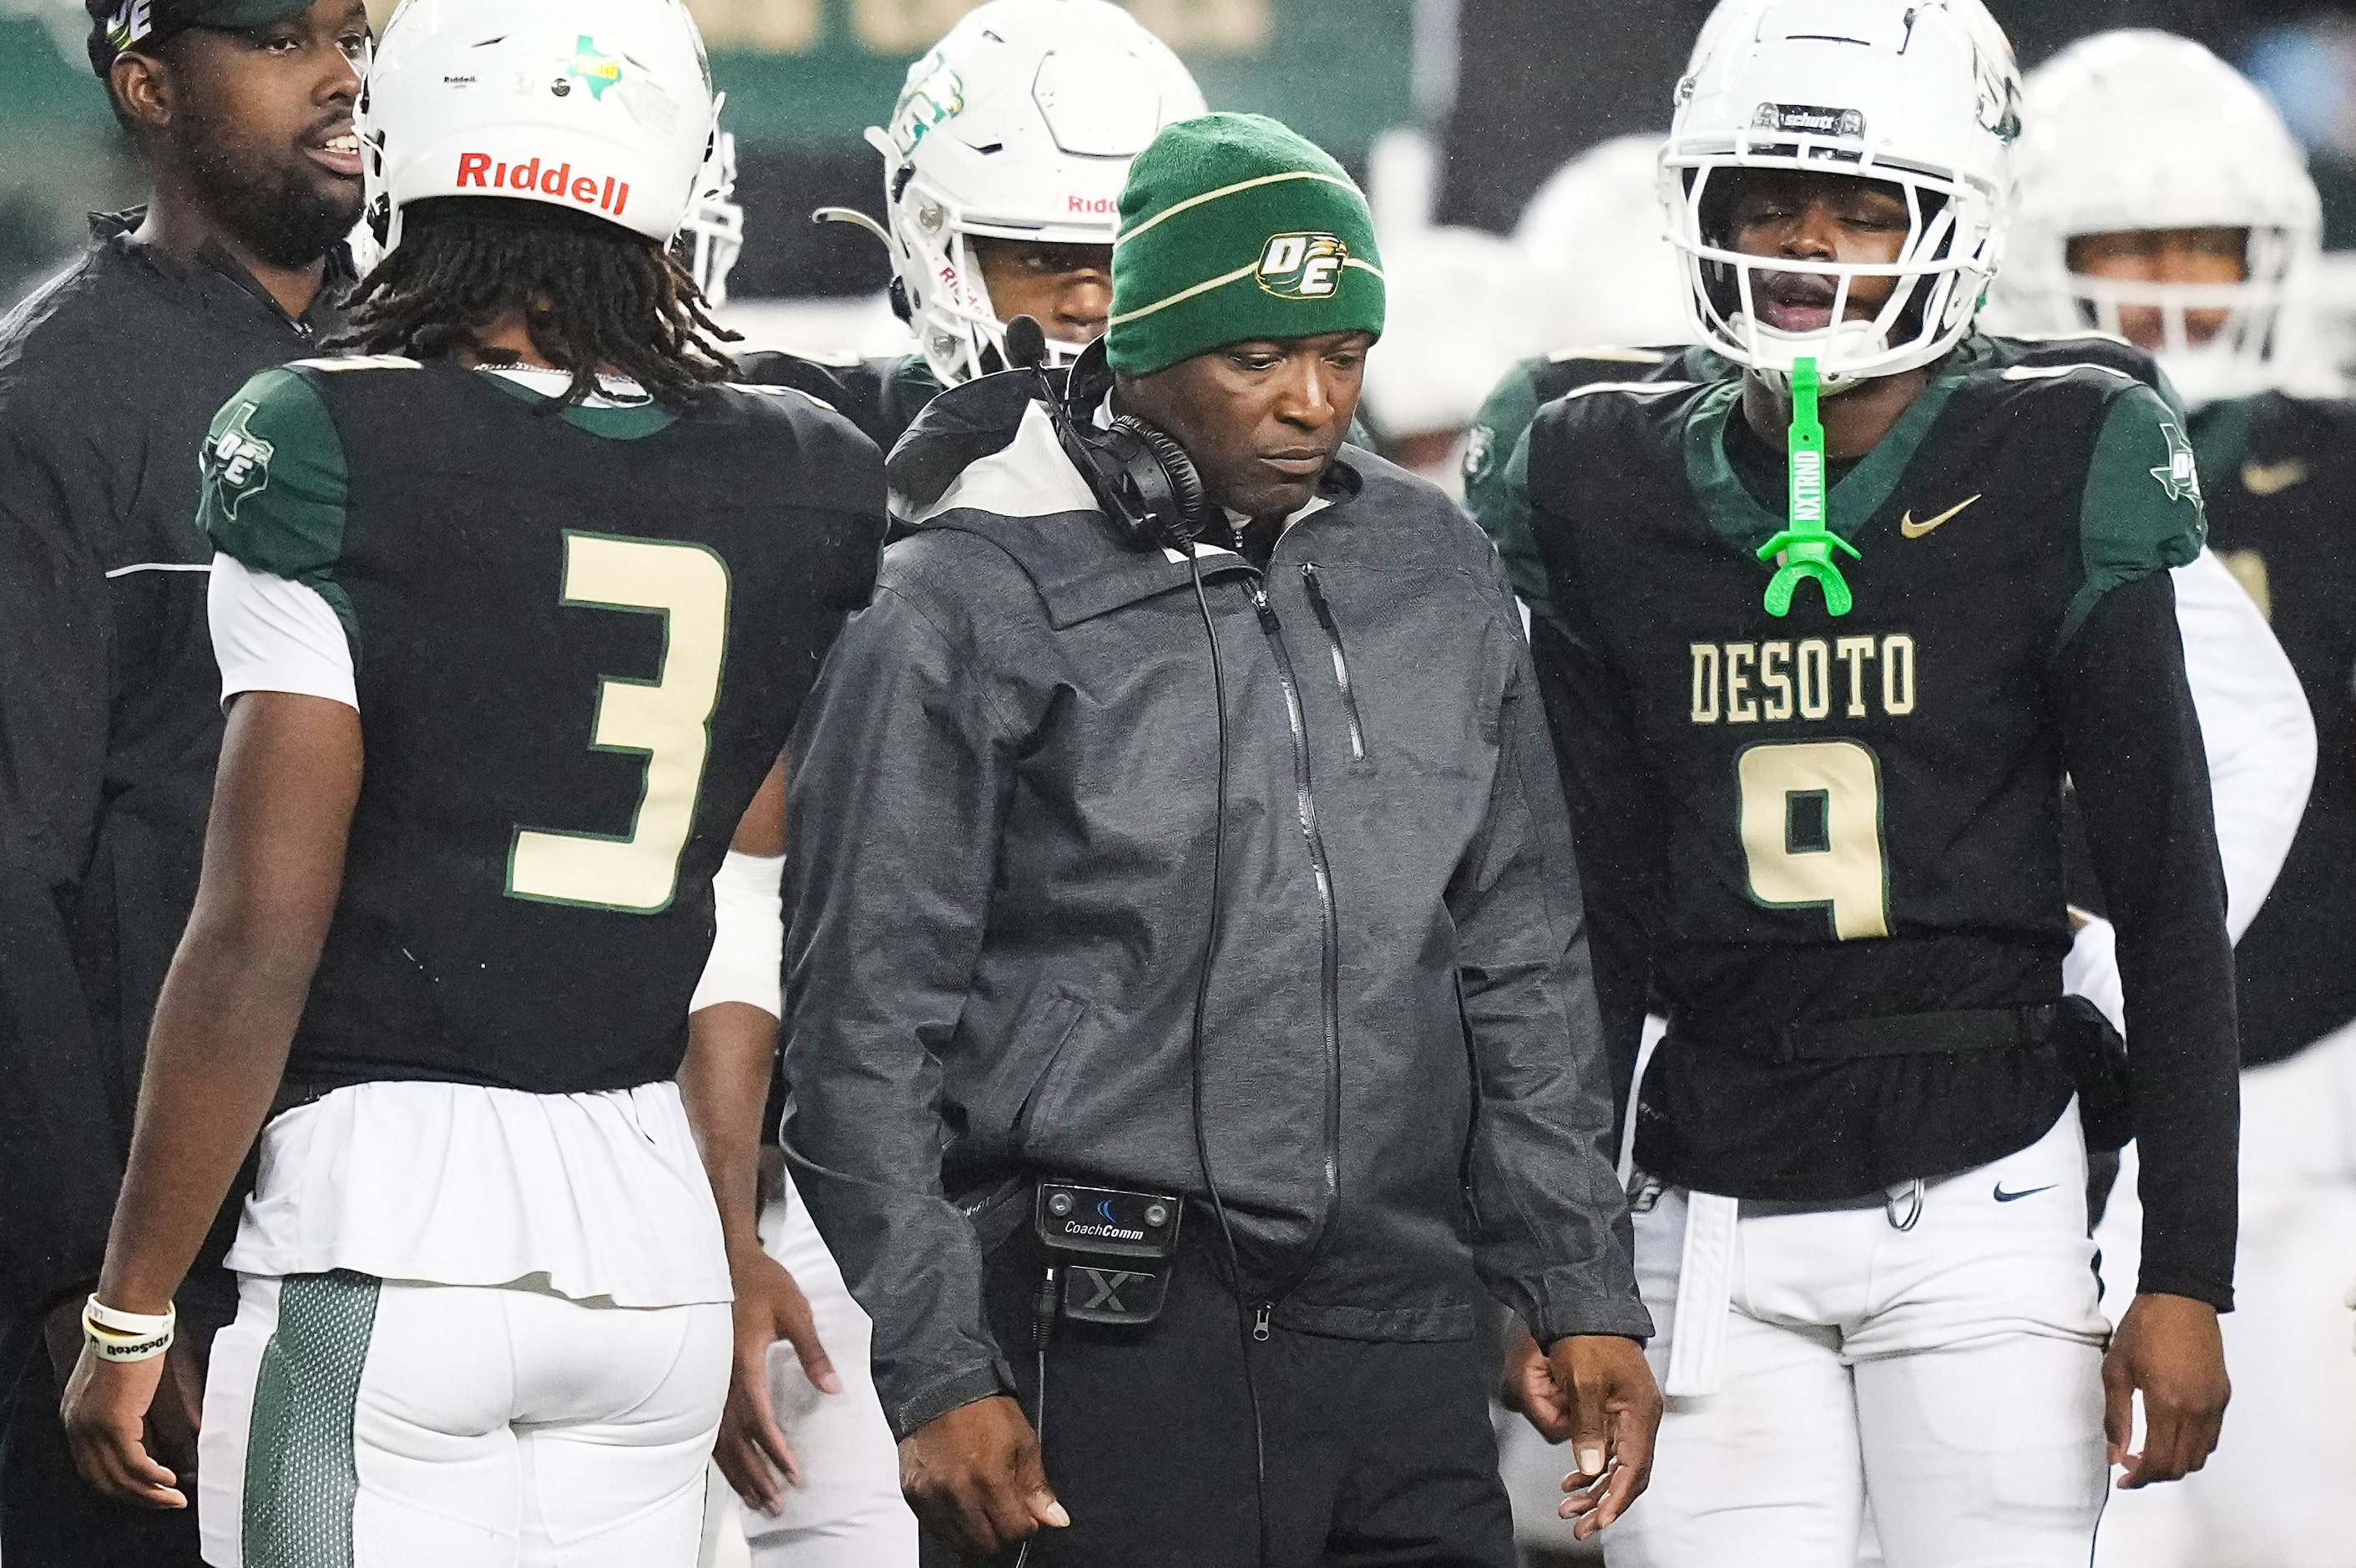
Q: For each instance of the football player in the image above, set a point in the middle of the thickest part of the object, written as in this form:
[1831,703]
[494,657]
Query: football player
[1002,168]
[1823,622]
[513,624]
[2254,721]
[2162,198]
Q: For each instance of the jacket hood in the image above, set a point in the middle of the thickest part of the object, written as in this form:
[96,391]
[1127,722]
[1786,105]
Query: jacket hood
[984,458]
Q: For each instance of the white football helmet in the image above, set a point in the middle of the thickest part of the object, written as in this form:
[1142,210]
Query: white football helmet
[600,106]
[2142,130]
[1921,95]
[713,232]
[1019,125]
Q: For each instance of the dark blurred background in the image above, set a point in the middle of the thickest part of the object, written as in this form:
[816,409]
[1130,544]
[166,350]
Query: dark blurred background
[1509,89]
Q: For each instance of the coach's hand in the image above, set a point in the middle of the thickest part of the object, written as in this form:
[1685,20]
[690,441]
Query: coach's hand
[752,1452]
[974,1477]
[1595,1393]
[2168,1347]
[131,1425]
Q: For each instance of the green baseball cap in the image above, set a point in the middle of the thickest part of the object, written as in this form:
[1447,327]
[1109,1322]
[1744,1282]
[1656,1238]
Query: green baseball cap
[119,26]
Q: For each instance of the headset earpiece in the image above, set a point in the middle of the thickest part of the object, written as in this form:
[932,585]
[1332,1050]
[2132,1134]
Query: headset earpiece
[1148,486]
[1143,481]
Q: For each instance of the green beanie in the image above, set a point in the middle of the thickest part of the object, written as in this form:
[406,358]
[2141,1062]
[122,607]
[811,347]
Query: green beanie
[1232,227]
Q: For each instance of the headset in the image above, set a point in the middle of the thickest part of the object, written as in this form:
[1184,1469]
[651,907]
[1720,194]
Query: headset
[1146,485]
[1153,495]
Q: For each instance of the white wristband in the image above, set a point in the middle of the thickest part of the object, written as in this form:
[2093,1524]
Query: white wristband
[126,1336]
[748,937]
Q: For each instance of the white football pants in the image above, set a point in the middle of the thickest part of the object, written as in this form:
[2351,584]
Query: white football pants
[848,1512]
[353,1422]
[2280,1491]
[1951,1370]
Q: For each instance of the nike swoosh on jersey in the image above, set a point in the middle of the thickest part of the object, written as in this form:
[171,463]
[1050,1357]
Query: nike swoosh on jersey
[1914,530]
[2004,1196]
[2273,478]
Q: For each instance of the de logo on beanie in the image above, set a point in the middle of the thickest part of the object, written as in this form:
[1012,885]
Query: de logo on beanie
[1233,228]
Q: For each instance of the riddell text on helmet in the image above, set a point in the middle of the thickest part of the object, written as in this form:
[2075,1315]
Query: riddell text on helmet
[483,172]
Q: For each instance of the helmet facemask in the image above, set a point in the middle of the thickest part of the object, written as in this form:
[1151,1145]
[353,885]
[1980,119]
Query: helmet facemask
[713,237]
[959,329]
[1936,288]
[2240,357]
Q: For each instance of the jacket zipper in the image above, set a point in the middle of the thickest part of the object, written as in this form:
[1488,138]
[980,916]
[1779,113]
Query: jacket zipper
[1331,997]
[1315,586]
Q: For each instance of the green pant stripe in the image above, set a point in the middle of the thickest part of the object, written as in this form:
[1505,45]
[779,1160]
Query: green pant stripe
[301,1478]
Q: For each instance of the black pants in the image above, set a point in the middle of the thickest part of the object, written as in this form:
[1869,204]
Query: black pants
[1379,1455]
[49,1517]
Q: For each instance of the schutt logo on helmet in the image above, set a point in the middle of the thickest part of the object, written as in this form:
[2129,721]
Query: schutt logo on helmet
[1809,119]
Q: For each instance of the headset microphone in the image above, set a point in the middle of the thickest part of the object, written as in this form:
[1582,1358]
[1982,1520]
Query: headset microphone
[1143,481]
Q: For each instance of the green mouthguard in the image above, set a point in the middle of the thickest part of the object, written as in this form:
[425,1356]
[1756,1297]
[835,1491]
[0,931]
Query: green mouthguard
[1805,549]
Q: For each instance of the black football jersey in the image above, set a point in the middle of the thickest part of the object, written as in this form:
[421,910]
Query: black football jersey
[2280,473]
[1826,818]
[580,638]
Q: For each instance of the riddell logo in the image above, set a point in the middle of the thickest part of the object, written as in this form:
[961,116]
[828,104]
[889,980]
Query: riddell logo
[480,171]
[1092,206]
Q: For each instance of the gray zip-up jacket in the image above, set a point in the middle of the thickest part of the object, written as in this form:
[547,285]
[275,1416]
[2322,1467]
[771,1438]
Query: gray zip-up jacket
[1002,809]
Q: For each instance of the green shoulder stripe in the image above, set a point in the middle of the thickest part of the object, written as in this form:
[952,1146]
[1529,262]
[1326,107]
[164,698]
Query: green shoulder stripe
[276,488]
[1497,430]
[2142,511]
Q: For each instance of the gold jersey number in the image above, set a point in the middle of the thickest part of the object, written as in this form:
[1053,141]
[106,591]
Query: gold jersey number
[666,720]
[1811,833]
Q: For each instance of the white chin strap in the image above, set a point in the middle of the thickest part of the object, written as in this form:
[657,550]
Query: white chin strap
[1775,352]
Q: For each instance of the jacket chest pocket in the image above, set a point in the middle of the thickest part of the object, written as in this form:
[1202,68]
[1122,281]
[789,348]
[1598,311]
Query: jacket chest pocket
[1416,674]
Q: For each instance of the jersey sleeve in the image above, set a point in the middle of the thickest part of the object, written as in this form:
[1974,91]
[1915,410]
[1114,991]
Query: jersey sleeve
[2142,510]
[273,634]
[1506,515]
[276,487]
[1497,429]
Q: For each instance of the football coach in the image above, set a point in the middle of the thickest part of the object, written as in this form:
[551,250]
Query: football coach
[1189,1021]
[110,700]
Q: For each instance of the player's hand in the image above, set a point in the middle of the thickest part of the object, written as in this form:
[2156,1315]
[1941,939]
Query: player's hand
[974,1477]
[124,1420]
[752,1452]
[1603,1385]
[2169,1349]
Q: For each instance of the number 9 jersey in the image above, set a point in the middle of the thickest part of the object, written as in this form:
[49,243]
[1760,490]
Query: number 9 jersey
[1791,825]
[578,639]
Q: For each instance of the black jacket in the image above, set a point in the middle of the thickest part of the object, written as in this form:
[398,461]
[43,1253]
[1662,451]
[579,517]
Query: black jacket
[110,704]
[1003,811]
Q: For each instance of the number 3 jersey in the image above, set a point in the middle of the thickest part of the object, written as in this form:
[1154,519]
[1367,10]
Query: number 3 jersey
[578,641]
[1800,821]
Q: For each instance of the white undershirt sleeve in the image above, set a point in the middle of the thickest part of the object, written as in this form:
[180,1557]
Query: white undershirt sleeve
[747,961]
[272,634]
[2255,723]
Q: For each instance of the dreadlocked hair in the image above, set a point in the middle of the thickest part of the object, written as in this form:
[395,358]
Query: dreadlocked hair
[592,295]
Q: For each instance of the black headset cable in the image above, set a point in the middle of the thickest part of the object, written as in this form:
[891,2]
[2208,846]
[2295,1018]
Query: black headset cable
[1201,1005]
